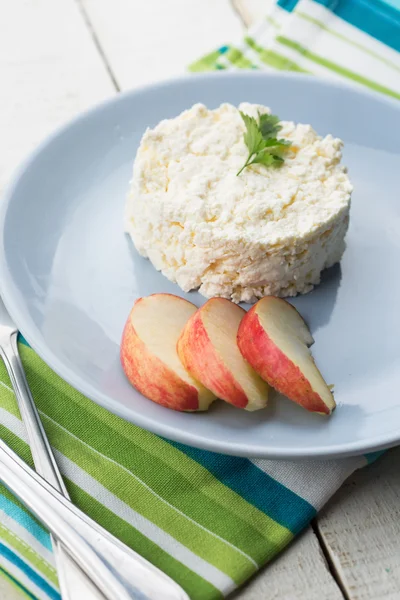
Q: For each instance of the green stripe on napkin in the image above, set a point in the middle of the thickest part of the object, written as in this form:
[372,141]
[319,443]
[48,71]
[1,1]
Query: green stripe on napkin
[208,520]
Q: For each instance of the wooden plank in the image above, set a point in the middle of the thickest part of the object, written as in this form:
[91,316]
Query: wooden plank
[251,11]
[300,573]
[145,41]
[361,531]
[50,71]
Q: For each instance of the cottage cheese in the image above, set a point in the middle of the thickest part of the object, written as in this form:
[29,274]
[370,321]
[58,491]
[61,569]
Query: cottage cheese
[268,231]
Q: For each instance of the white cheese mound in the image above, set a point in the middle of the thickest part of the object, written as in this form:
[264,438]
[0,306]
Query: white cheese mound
[267,231]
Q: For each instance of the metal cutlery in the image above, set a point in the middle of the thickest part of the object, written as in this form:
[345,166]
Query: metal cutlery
[70,576]
[120,573]
[91,563]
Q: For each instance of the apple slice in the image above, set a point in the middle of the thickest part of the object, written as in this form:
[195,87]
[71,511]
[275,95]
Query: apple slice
[208,349]
[149,357]
[274,339]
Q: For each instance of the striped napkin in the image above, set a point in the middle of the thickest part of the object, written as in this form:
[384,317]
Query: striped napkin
[208,520]
[353,40]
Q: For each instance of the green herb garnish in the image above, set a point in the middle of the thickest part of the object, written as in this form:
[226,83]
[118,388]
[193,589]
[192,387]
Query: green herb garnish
[263,145]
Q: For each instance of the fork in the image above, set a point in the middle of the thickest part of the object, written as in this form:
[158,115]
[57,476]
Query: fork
[72,577]
[69,573]
[120,573]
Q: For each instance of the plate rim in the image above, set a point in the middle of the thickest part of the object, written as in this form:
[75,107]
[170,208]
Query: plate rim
[7,292]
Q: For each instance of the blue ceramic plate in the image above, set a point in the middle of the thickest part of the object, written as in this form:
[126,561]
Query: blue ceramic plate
[69,275]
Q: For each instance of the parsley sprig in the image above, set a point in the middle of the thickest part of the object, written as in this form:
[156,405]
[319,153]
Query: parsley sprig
[260,138]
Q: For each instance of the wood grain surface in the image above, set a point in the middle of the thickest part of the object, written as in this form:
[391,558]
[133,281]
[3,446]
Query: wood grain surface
[58,58]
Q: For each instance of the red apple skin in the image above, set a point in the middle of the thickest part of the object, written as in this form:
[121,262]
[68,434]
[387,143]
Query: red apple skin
[208,367]
[278,370]
[152,377]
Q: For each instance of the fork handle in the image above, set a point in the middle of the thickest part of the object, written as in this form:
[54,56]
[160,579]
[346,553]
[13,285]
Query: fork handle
[79,539]
[114,568]
[42,454]
[74,583]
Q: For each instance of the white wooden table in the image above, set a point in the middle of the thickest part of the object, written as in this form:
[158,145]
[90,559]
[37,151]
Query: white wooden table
[58,57]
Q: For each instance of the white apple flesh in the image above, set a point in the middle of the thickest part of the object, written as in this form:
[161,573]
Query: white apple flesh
[208,349]
[149,355]
[275,340]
